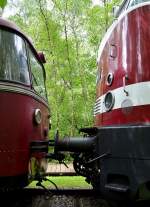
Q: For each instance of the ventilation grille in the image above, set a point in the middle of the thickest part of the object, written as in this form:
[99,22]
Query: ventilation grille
[98,106]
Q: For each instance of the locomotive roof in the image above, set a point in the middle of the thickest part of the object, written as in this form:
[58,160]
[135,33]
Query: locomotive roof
[8,25]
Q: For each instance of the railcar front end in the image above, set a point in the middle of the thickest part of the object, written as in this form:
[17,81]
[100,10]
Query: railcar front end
[24,109]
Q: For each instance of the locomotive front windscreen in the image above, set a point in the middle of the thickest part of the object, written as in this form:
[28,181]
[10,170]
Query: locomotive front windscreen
[13,58]
[135,2]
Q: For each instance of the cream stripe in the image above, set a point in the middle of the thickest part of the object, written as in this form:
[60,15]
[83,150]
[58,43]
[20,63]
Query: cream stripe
[139,94]
[22,90]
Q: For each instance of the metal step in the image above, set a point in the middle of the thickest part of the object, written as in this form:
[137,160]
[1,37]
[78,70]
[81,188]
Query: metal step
[117,187]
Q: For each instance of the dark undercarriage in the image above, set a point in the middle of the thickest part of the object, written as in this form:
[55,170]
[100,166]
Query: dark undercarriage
[119,163]
[13,182]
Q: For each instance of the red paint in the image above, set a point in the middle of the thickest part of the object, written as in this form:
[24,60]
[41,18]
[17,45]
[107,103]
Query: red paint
[18,130]
[137,116]
[126,53]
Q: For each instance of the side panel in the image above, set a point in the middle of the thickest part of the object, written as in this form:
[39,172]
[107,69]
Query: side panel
[18,129]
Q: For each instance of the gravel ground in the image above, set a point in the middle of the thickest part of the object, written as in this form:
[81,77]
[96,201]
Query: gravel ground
[50,200]
[69,201]
[33,199]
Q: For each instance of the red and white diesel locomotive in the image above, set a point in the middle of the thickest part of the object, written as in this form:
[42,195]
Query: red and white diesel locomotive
[123,102]
[24,108]
[115,154]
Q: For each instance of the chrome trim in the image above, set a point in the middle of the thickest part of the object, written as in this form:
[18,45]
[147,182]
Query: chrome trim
[98,106]
[111,104]
[38,116]
[22,90]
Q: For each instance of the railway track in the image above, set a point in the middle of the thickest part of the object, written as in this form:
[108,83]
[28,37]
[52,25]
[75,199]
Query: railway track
[30,197]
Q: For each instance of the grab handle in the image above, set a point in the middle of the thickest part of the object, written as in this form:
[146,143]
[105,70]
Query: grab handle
[125,78]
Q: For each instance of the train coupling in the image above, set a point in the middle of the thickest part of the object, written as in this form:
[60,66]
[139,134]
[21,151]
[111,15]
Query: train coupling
[70,144]
[83,151]
[73,144]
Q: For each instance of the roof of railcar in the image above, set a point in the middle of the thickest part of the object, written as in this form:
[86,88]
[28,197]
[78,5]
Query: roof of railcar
[10,26]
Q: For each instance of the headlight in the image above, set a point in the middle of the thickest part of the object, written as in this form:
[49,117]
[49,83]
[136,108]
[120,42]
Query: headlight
[109,79]
[109,101]
[38,116]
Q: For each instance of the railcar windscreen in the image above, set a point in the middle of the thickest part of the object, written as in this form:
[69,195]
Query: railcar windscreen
[13,58]
[135,2]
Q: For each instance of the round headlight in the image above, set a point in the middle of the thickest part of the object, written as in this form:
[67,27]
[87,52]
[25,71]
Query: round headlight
[109,79]
[38,116]
[109,101]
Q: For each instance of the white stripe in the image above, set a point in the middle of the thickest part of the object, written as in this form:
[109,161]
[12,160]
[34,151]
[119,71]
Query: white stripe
[139,94]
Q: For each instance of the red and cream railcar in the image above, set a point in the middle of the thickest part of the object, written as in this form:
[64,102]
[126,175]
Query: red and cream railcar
[24,112]
[122,108]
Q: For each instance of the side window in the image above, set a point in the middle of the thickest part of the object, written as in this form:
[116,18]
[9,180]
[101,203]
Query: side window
[98,76]
[37,75]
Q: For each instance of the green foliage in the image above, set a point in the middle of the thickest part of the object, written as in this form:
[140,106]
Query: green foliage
[69,33]
[3,3]
[65,182]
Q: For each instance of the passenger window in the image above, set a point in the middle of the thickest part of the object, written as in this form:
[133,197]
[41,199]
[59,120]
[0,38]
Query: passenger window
[37,72]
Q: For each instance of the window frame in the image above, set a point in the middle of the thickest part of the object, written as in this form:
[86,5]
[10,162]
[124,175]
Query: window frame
[29,49]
